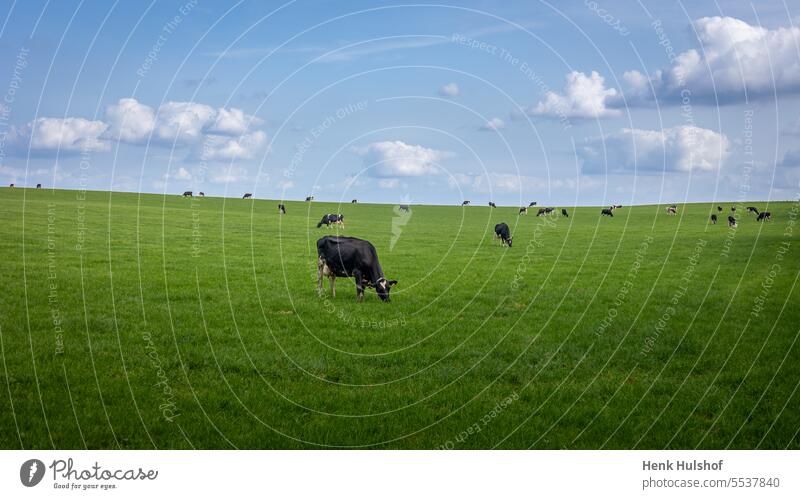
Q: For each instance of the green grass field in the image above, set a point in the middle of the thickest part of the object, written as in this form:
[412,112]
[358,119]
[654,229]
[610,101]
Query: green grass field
[131,321]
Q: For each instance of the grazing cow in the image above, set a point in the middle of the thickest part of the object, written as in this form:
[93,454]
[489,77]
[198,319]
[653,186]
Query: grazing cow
[404,207]
[281,209]
[542,211]
[201,194]
[617,206]
[351,257]
[533,203]
[501,232]
[564,212]
[523,211]
[492,205]
[331,218]
[187,194]
[12,185]
[733,208]
[607,212]
[672,210]
[248,195]
[354,201]
[752,209]
[719,208]
[731,221]
[465,203]
[549,210]
[714,219]
[764,215]
[38,186]
[309,198]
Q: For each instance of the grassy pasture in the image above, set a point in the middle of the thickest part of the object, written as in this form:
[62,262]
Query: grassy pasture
[166,322]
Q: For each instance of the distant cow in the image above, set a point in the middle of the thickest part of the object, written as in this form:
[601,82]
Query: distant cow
[351,257]
[354,201]
[187,194]
[714,219]
[733,208]
[309,198]
[564,212]
[12,185]
[541,211]
[607,212]
[719,208]
[502,232]
[523,211]
[331,218]
[752,209]
[492,205]
[201,194]
[764,215]
[533,203]
[281,209]
[465,203]
[247,195]
[615,206]
[672,210]
[731,221]
[404,207]
[38,186]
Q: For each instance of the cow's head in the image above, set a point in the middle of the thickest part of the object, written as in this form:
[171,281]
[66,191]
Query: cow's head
[508,241]
[382,287]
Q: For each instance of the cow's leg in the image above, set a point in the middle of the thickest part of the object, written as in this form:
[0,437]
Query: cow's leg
[320,269]
[333,285]
[359,286]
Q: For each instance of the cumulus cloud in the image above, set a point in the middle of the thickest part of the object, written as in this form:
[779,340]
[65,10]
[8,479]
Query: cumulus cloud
[229,174]
[733,56]
[493,124]
[449,90]
[68,135]
[681,149]
[224,148]
[398,159]
[174,122]
[584,96]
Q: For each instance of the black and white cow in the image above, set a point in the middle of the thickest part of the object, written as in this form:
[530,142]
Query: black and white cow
[331,218]
[354,201]
[38,186]
[731,221]
[12,185]
[492,205]
[465,203]
[764,215]
[533,203]
[247,195]
[714,219]
[719,208]
[309,198]
[607,212]
[733,208]
[502,232]
[752,209]
[351,257]
[672,210]
[201,194]
[564,212]
[187,194]
[542,211]
[281,209]
[523,211]
[404,207]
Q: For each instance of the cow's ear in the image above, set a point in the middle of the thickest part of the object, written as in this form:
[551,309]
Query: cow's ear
[391,283]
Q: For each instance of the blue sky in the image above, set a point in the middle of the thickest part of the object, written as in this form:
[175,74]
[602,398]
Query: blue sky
[583,103]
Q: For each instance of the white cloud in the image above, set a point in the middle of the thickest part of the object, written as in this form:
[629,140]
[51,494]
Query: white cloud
[681,149]
[69,135]
[229,174]
[182,122]
[494,124]
[733,56]
[182,174]
[233,122]
[398,159]
[449,90]
[584,97]
[223,148]
[130,121]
